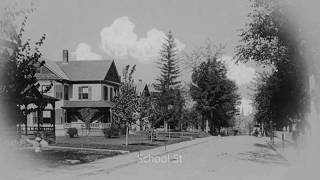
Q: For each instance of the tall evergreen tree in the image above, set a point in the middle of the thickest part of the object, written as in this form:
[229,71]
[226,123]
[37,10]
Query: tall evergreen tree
[168,65]
[168,83]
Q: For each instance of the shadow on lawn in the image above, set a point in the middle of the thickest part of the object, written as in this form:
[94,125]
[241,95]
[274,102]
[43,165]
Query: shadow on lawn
[61,157]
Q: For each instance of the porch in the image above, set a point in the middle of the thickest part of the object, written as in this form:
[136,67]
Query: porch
[41,108]
[84,115]
[95,128]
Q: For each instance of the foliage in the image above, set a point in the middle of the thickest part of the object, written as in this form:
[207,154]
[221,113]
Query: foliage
[72,132]
[214,93]
[169,71]
[176,111]
[19,62]
[111,132]
[152,109]
[270,39]
[191,116]
[126,103]
[200,54]
[169,98]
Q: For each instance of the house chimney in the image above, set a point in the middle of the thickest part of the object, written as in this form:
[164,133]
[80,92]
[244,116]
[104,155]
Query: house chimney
[65,56]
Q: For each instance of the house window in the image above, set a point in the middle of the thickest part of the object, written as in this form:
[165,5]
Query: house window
[46,116]
[34,117]
[66,92]
[84,92]
[105,89]
[59,91]
[111,93]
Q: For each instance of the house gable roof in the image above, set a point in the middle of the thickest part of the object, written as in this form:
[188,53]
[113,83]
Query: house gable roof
[112,74]
[90,70]
[54,67]
[46,74]
[142,88]
[86,70]
[152,88]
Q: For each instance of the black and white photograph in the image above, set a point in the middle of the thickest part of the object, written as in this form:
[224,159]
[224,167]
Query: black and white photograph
[159,89]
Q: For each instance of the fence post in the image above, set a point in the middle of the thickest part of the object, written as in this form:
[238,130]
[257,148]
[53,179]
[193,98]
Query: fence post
[282,140]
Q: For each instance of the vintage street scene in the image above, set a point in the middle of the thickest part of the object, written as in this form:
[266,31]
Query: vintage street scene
[159,89]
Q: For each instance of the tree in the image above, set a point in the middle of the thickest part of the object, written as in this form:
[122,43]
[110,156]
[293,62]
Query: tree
[215,95]
[19,62]
[126,103]
[270,39]
[174,111]
[190,116]
[168,83]
[150,112]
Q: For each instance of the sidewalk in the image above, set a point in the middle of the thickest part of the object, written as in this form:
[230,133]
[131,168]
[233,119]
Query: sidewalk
[109,165]
[286,149]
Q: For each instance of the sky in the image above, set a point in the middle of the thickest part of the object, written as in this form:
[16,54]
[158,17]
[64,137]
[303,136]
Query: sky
[132,31]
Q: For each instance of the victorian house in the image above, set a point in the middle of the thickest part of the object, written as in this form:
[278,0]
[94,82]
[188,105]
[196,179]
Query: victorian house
[84,90]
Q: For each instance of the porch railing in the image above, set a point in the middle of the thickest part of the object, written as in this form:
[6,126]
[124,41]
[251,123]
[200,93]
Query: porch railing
[83,125]
[30,130]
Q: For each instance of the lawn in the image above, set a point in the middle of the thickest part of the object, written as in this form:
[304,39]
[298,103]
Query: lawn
[54,157]
[135,143]
[64,157]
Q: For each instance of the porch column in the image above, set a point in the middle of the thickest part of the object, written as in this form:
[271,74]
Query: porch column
[65,116]
[39,118]
[53,117]
[110,110]
[26,124]
[25,116]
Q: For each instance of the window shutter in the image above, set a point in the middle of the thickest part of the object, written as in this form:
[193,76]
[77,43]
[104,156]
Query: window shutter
[58,91]
[55,91]
[89,92]
[102,93]
[106,97]
[111,93]
[79,92]
[70,91]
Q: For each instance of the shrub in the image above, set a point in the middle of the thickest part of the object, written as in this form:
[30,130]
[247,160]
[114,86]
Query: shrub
[72,132]
[111,132]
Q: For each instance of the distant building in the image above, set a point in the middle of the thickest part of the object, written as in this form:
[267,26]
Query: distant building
[142,89]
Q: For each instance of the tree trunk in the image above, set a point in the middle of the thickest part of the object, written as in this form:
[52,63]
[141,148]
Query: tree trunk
[202,122]
[127,134]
